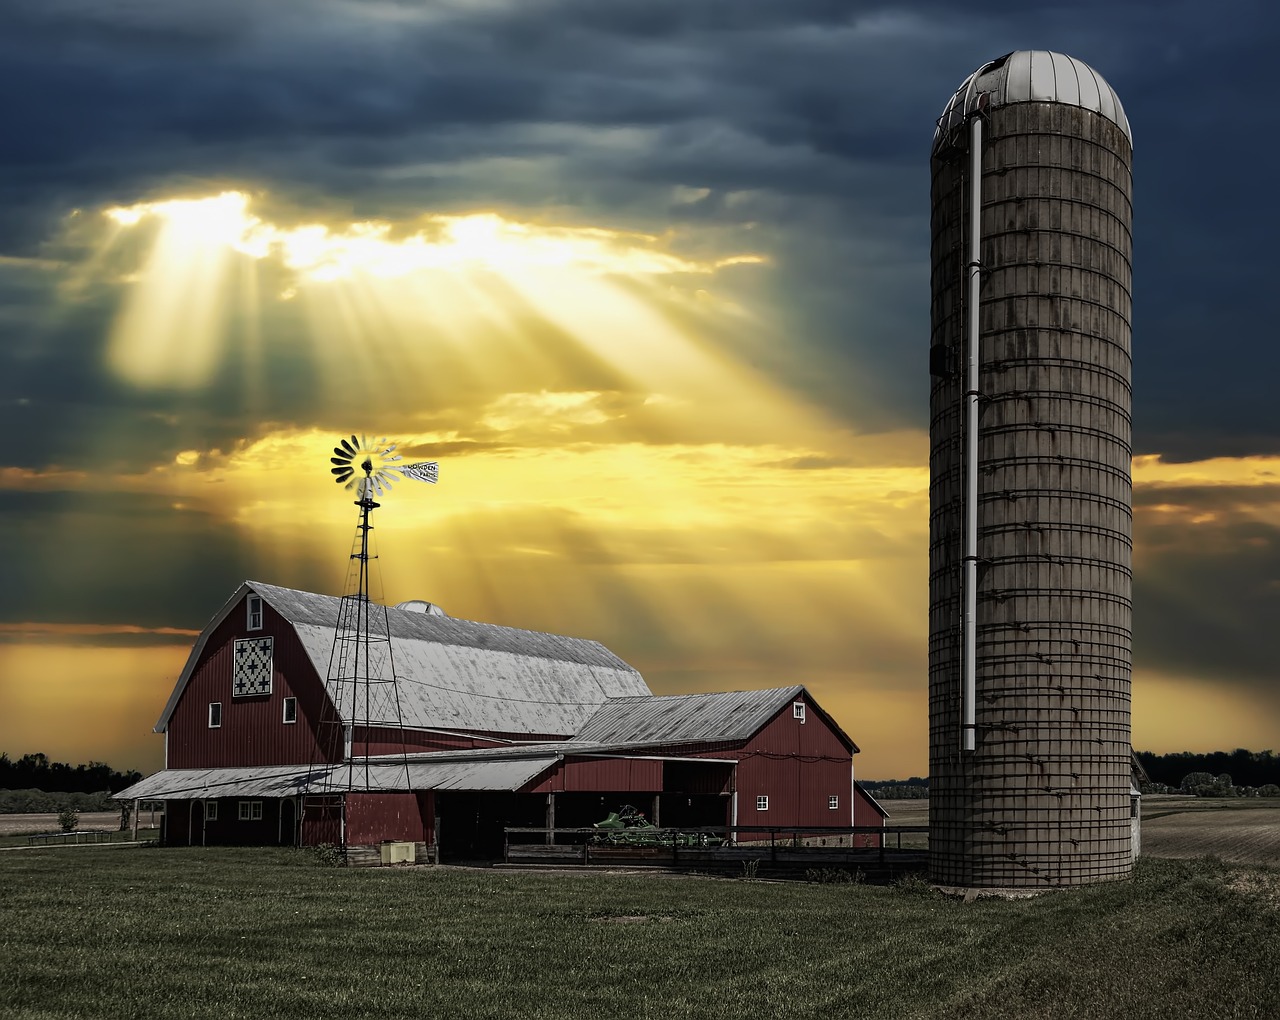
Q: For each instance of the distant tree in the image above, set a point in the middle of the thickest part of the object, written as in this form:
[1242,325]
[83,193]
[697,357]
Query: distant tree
[68,819]
[37,772]
[1269,790]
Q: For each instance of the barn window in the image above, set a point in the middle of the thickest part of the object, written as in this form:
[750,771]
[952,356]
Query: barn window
[251,667]
[251,811]
[833,802]
[215,714]
[797,710]
[762,802]
[291,710]
[253,605]
[210,810]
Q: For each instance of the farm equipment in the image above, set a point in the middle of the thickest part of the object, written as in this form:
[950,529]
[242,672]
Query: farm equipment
[628,827]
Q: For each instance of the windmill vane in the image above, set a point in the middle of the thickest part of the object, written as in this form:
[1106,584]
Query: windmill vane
[378,461]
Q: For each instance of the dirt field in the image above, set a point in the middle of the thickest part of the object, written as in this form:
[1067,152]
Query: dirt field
[22,825]
[1242,831]
[907,812]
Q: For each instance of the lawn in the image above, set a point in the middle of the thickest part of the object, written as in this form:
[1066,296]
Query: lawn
[227,933]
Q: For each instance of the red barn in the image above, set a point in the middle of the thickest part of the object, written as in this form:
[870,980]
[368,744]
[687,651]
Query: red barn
[495,727]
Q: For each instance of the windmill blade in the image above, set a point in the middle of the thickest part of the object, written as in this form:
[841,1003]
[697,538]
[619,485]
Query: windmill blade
[343,473]
[423,471]
[339,460]
[352,446]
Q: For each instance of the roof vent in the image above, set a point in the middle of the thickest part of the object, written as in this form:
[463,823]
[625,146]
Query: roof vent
[419,606]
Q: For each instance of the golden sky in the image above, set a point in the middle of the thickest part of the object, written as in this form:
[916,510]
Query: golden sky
[618,462]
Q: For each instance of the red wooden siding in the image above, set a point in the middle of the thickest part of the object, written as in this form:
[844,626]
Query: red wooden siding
[387,740]
[374,817]
[798,766]
[253,731]
[865,813]
[610,775]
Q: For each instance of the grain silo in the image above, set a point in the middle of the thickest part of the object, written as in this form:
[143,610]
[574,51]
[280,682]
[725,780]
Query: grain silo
[1030,495]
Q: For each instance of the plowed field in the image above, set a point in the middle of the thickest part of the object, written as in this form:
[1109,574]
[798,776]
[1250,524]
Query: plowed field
[1247,832]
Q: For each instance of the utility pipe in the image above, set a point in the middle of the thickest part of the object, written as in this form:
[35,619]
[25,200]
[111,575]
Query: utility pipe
[969,604]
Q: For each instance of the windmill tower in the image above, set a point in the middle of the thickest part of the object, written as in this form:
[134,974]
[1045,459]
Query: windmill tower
[364,719]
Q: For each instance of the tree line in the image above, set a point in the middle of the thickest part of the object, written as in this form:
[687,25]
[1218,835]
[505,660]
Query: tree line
[36,772]
[1238,773]
[1184,770]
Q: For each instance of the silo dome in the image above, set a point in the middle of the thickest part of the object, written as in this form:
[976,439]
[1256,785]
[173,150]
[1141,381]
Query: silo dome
[1032,76]
[421,606]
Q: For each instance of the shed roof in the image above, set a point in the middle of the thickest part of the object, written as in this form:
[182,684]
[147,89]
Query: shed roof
[291,780]
[452,674]
[725,717]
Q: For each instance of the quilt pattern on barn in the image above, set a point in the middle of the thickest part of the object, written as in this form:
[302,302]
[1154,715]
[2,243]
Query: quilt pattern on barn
[252,671]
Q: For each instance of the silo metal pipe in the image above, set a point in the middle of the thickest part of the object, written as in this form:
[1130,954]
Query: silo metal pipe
[969,599]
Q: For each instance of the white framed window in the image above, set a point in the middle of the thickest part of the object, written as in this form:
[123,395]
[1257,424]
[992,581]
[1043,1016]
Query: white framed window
[797,710]
[253,612]
[251,811]
[833,802]
[210,810]
[762,802]
[290,710]
[215,714]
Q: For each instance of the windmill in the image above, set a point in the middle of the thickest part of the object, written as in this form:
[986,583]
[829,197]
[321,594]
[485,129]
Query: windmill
[361,676]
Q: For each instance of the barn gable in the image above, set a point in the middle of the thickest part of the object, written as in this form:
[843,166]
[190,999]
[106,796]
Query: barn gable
[455,675]
[726,717]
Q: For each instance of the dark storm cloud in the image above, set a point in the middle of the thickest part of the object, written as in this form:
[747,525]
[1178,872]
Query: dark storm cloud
[115,558]
[1206,597]
[810,119]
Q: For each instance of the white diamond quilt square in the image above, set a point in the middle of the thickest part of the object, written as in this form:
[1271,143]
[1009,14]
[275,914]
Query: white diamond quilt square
[251,671]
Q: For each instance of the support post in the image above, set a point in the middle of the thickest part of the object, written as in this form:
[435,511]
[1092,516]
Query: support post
[134,834]
[551,818]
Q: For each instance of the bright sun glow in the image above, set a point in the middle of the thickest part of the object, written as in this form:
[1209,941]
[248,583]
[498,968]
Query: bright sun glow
[383,287]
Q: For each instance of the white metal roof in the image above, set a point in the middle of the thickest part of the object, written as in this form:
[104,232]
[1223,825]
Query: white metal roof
[1033,76]
[454,674]
[291,780]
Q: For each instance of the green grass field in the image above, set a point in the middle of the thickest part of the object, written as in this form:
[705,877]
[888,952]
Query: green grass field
[228,933]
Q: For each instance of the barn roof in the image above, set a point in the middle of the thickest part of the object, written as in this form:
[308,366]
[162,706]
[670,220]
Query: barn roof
[453,674]
[726,717]
[291,780]
[871,800]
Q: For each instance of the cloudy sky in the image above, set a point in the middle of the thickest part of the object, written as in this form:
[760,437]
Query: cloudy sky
[649,278]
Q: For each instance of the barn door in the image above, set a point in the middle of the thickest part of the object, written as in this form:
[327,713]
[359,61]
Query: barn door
[288,823]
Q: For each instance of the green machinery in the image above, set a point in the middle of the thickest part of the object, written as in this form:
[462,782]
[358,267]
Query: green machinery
[628,827]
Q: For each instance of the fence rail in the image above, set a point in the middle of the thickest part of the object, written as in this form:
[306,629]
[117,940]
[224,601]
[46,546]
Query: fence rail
[714,845]
[78,836]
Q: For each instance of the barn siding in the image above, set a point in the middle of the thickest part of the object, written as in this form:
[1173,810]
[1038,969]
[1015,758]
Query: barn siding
[798,766]
[866,813]
[387,740]
[375,817]
[609,775]
[253,730]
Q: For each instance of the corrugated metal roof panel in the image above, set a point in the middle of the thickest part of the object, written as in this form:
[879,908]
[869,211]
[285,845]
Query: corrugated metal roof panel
[458,674]
[291,780]
[685,718]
